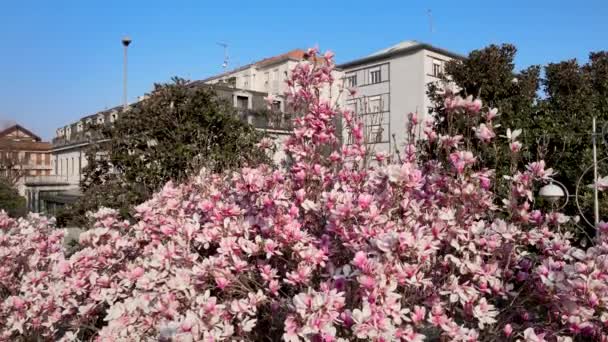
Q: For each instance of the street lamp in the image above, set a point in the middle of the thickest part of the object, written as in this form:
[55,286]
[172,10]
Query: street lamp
[126,40]
[553,193]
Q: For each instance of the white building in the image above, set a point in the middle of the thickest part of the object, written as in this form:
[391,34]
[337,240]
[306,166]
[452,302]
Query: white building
[390,84]
[269,76]
[70,144]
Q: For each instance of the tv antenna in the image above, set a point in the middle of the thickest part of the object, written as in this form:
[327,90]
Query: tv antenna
[225,46]
[430,15]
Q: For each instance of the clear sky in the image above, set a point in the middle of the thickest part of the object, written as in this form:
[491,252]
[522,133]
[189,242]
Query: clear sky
[61,60]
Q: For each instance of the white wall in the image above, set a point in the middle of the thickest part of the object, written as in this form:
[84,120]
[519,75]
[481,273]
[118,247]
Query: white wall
[366,100]
[406,78]
[272,79]
[407,93]
[68,164]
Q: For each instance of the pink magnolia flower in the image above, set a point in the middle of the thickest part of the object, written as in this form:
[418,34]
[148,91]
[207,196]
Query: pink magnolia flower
[491,114]
[330,247]
[461,159]
[515,146]
[484,133]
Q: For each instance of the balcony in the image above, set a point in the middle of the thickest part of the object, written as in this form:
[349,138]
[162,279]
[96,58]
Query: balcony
[73,139]
[46,180]
[267,119]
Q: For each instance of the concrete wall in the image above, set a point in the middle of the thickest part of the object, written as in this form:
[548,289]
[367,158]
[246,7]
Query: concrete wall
[271,79]
[407,92]
[403,88]
[373,103]
[68,163]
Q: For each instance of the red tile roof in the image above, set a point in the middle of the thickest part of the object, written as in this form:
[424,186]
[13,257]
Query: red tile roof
[19,128]
[295,54]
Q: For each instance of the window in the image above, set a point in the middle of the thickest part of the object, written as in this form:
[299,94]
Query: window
[375,104]
[276,106]
[351,81]
[275,75]
[376,134]
[436,68]
[352,106]
[242,102]
[113,116]
[100,120]
[72,165]
[374,76]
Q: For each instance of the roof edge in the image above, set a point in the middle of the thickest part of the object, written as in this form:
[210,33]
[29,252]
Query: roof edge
[19,127]
[405,51]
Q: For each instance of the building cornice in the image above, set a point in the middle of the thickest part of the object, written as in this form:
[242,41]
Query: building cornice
[399,52]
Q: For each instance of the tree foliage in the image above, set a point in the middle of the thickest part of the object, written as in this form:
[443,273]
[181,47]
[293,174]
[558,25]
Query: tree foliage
[173,133]
[328,249]
[10,200]
[553,110]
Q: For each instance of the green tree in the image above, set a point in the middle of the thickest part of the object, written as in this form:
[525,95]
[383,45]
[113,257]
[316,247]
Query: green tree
[177,130]
[554,111]
[10,200]
[490,74]
[574,94]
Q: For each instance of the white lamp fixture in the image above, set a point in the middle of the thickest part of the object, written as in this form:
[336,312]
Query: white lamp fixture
[551,192]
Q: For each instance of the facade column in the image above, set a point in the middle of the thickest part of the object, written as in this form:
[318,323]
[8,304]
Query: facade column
[36,199]
[28,200]
[42,205]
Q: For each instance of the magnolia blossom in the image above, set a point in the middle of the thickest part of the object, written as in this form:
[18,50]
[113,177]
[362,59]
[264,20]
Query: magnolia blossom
[515,146]
[461,159]
[491,114]
[602,184]
[484,133]
[414,247]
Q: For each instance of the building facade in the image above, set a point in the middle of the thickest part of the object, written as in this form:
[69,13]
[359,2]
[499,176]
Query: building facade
[269,76]
[71,142]
[68,154]
[23,155]
[390,84]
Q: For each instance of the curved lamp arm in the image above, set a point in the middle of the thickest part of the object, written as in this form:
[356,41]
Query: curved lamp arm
[578,184]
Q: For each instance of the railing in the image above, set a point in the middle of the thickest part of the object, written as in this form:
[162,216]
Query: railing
[52,180]
[267,119]
[76,138]
[73,139]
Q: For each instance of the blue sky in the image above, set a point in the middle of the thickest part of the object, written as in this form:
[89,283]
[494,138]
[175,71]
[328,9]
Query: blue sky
[61,60]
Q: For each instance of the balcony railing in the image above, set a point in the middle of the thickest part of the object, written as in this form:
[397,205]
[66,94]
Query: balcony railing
[267,119]
[46,180]
[76,138]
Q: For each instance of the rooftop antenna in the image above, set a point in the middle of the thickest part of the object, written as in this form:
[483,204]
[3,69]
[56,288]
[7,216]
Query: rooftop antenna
[430,15]
[225,46]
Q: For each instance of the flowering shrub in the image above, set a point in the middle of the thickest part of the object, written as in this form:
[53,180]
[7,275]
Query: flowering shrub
[326,250]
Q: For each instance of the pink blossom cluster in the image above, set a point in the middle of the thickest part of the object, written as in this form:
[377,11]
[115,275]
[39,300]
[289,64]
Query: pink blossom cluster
[324,250]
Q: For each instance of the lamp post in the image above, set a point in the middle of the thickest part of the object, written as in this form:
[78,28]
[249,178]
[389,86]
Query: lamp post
[126,40]
[553,192]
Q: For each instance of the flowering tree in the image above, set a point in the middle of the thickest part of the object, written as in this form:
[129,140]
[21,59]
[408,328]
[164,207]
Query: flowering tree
[327,250]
